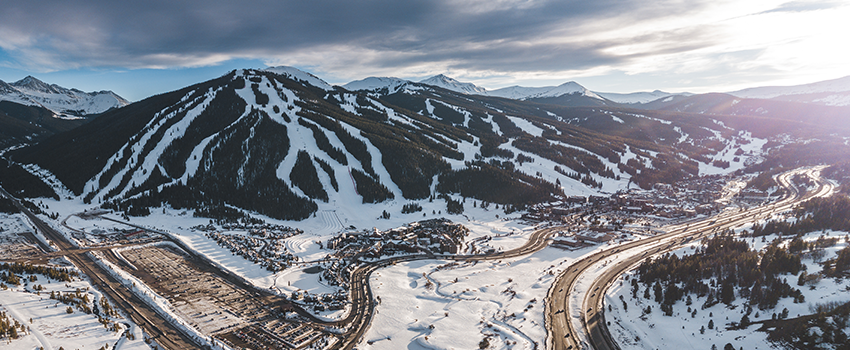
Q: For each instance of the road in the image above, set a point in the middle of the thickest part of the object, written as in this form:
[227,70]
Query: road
[155,326]
[558,318]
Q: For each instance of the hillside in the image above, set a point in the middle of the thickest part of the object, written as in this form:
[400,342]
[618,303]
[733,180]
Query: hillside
[24,124]
[284,143]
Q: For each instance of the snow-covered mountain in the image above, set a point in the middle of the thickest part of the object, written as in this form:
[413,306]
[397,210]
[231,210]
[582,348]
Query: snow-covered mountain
[834,92]
[449,83]
[300,75]
[568,88]
[62,101]
[517,92]
[637,97]
[284,143]
[377,83]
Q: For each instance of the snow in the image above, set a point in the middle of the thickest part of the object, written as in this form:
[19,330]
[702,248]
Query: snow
[519,92]
[300,75]
[157,122]
[52,326]
[835,100]
[627,324]
[415,295]
[752,147]
[608,184]
[449,83]
[496,129]
[50,179]
[524,93]
[62,101]
[635,97]
[567,88]
[835,85]
[377,83]
[526,126]
[546,168]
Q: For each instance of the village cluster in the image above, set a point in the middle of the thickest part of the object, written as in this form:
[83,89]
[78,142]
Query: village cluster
[263,244]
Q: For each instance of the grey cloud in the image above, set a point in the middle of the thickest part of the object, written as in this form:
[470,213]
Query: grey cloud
[184,33]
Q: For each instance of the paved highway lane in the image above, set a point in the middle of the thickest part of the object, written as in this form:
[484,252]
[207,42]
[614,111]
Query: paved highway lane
[558,319]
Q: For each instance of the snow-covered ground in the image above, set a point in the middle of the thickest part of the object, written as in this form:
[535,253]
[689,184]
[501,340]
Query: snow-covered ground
[51,326]
[656,331]
[752,151]
[443,305]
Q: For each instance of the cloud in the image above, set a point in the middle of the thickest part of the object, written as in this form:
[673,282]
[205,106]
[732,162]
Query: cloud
[54,35]
[413,38]
[803,6]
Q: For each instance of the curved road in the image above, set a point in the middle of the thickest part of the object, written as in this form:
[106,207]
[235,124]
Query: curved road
[558,320]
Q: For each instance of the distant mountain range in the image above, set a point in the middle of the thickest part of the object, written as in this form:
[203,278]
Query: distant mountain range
[834,92]
[581,96]
[63,102]
[829,93]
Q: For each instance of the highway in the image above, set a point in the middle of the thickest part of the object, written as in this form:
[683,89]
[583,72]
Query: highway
[562,333]
[155,326]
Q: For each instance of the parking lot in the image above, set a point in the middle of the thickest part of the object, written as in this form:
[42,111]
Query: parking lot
[213,304]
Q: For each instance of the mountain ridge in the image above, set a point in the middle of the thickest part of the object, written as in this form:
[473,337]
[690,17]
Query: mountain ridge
[64,102]
[284,143]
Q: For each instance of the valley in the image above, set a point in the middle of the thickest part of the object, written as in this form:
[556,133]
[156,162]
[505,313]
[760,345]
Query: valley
[266,208]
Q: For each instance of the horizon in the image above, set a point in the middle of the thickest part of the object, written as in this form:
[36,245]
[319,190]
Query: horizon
[617,47]
[131,100]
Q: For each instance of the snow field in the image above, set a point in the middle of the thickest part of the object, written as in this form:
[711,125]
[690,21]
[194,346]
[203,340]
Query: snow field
[632,331]
[52,326]
[501,300]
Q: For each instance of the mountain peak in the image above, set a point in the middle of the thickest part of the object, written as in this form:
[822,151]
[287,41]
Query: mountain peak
[32,91]
[449,83]
[297,74]
[568,88]
[32,83]
[376,83]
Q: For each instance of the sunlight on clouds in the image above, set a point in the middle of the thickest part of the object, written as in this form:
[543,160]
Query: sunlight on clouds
[800,46]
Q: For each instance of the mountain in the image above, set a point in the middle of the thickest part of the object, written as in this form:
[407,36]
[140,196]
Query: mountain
[377,83]
[280,143]
[449,83]
[65,103]
[300,75]
[567,94]
[638,97]
[517,92]
[803,115]
[834,92]
[283,143]
[20,124]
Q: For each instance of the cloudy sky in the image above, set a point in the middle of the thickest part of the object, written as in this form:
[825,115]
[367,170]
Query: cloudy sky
[140,48]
